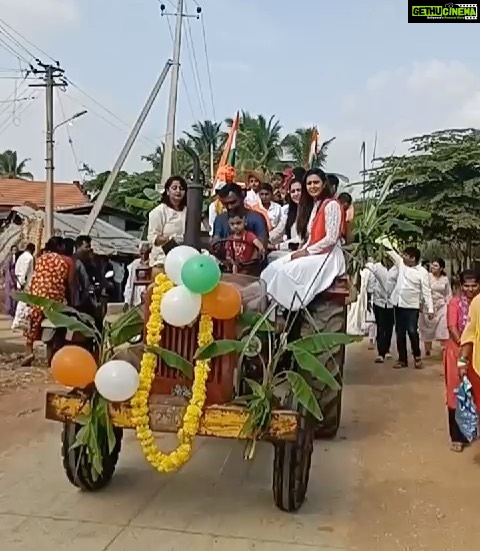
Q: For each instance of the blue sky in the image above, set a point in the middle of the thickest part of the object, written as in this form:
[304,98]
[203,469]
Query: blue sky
[352,68]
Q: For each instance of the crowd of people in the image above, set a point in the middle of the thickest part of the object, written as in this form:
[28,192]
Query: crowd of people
[415,299]
[294,229]
[293,226]
[65,271]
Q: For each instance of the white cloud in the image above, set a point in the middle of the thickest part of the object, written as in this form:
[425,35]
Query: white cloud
[37,15]
[401,103]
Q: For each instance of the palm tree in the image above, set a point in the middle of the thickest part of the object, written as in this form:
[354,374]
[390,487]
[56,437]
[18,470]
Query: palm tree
[297,147]
[10,168]
[259,143]
[206,138]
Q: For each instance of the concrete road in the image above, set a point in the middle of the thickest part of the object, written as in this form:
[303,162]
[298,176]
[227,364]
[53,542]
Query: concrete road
[388,482]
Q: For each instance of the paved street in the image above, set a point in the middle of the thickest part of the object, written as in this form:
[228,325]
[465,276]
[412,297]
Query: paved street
[388,482]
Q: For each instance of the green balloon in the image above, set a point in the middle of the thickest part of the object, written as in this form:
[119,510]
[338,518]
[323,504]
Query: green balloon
[200,274]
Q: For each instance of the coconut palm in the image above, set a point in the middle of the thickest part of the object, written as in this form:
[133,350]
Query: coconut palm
[10,168]
[297,147]
[259,143]
[206,138]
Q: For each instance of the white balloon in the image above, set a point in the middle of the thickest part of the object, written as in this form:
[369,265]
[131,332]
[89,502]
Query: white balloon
[180,307]
[117,380]
[175,260]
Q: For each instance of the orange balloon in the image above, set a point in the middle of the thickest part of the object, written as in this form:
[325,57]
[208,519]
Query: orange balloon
[73,366]
[223,303]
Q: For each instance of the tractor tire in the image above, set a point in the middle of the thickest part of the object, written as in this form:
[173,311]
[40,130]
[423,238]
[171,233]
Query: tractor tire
[330,317]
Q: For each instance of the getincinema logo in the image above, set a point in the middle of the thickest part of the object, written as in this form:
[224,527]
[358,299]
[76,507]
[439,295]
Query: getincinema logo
[447,13]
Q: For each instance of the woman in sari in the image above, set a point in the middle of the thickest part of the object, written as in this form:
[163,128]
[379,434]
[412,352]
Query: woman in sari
[10,282]
[458,322]
[295,279]
[49,280]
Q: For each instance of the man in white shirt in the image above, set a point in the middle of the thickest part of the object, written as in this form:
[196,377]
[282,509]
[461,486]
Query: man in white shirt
[274,210]
[380,286]
[411,290]
[24,267]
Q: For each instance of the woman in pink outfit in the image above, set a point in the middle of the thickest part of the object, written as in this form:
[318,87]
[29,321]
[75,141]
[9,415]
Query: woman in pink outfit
[457,317]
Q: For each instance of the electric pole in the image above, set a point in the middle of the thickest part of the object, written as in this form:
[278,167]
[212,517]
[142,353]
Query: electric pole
[172,102]
[51,73]
[99,202]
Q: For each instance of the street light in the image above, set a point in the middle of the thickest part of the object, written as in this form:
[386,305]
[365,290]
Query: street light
[49,195]
[71,119]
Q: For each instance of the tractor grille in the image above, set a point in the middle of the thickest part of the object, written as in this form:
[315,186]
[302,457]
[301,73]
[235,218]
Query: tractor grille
[184,342]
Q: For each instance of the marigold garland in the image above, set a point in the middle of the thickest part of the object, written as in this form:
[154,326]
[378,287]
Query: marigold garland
[168,462]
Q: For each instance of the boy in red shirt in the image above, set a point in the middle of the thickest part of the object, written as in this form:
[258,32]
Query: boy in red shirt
[243,246]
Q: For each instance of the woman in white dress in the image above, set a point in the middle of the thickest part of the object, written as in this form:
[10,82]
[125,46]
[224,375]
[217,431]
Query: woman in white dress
[295,279]
[437,328]
[167,221]
[284,238]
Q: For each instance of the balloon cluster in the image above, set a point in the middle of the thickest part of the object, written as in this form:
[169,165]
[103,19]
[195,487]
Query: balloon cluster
[198,289]
[115,380]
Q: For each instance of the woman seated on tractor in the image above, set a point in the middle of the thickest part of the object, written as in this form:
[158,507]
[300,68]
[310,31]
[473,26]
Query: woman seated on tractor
[295,279]
[284,238]
[166,222]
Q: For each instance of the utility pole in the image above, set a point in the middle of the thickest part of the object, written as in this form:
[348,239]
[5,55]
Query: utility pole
[49,167]
[51,73]
[97,207]
[172,102]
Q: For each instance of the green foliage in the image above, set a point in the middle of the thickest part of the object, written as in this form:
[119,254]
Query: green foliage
[10,168]
[439,176]
[96,436]
[260,146]
[173,360]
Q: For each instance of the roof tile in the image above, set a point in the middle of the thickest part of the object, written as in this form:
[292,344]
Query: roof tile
[14,193]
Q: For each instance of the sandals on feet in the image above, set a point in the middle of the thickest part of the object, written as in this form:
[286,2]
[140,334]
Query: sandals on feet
[457,447]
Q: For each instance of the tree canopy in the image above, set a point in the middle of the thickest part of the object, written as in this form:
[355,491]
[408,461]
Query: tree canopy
[260,146]
[441,176]
[10,168]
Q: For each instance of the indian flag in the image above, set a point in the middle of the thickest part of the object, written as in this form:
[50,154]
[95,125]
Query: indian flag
[312,154]
[228,154]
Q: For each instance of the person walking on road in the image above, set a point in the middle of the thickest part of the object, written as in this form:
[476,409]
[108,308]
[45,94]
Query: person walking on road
[381,285]
[436,329]
[411,290]
[457,317]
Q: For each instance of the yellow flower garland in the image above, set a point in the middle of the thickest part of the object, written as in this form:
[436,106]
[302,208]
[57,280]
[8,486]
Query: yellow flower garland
[172,461]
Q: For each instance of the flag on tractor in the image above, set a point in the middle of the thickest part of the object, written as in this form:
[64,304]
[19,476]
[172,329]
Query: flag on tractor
[228,154]
[313,153]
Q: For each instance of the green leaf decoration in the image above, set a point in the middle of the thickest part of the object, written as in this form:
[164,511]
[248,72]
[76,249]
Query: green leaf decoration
[219,348]
[172,359]
[126,327]
[304,394]
[249,319]
[323,342]
[308,362]
[63,320]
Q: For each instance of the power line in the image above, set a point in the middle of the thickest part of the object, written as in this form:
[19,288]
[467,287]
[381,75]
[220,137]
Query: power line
[16,42]
[16,95]
[182,76]
[70,141]
[43,52]
[193,62]
[6,46]
[208,65]
[21,111]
